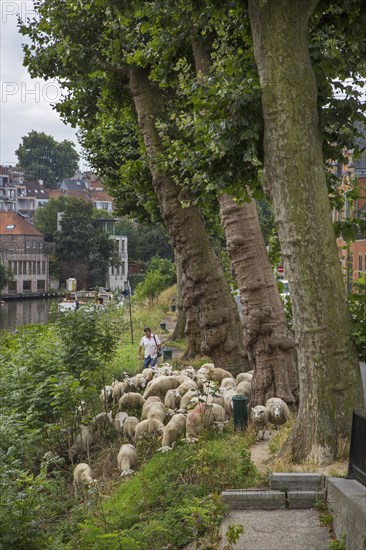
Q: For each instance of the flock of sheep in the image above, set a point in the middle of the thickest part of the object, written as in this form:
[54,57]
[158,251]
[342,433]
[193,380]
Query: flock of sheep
[173,403]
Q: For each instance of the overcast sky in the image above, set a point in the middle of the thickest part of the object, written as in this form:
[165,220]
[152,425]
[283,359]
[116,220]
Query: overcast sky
[25,104]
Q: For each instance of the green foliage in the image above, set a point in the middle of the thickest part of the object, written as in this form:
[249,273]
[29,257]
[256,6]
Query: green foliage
[338,544]
[160,275]
[5,275]
[42,157]
[357,305]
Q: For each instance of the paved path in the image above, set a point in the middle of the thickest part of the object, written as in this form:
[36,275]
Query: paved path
[278,530]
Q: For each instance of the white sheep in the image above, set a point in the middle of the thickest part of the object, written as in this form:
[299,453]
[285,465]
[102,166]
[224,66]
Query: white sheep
[126,459]
[156,410]
[155,426]
[159,386]
[146,406]
[260,417]
[129,426]
[278,411]
[130,400]
[82,476]
[148,373]
[203,416]
[141,428]
[119,421]
[119,388]
[244,376]
[206,368]
[172,399]
[228,383]
[102,420]
[82,443]
[106,395]
[138,382]
[219,374]
[188,384]
[191,396]
[188,371]
[172,431]
[228,401]
[244,388]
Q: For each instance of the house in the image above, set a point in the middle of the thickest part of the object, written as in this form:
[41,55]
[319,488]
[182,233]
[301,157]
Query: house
[117,276]
[353,255]
[22,249]
[30,196]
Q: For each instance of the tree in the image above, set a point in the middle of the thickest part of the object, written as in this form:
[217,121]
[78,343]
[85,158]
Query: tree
[42,157]
[45,218]
[5,276]
[295,180]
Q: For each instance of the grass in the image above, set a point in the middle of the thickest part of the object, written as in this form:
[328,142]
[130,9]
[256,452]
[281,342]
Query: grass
[155,507]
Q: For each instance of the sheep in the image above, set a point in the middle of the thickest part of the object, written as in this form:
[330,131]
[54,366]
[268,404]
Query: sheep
[172,431]
[244,388]
[228,401]
[156,410]
[188,384]
[82,476]
[244,376]
[126,459]
[82,443]
[219,374]
[138,382]
[159,386]
[131,400]
[189,397]
[119,421]
[102,420]
[119,388]
[172,399]
[148,373]
[146,406]
[189,371]
[206,369]
[278,411]
[260,417]
[164,370]
[203,416]
[129,426]
[213,397]
[228,383]
[141,428]
[155,426]
[106,395]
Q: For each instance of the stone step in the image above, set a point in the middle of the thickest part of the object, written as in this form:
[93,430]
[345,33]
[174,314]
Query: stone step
[252,499]
[296,482]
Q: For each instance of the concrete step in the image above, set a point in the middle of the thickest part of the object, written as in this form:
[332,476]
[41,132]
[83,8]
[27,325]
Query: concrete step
[296,482]
[251,499]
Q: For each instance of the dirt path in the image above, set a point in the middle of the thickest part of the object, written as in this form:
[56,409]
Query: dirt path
[261,455]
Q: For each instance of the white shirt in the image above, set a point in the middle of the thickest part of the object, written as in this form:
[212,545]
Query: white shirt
[150,346]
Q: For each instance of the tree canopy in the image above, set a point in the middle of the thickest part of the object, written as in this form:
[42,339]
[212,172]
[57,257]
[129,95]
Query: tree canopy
[42,157]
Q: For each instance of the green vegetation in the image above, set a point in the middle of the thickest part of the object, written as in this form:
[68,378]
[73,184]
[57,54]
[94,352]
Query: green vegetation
[5,275]
[46,373]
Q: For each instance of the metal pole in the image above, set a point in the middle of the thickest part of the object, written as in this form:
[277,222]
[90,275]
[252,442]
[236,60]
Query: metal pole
[130,310]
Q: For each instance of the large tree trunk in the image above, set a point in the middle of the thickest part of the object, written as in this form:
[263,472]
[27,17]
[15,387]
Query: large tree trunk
[178,332]
[270,344]
[205,284]
[192,333]
[330,382]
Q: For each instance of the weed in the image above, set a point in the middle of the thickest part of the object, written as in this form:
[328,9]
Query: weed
[338,544]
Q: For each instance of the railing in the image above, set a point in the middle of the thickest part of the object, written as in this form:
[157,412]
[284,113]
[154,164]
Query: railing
[357,455]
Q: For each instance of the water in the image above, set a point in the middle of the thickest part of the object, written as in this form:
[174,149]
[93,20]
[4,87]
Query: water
[14,313]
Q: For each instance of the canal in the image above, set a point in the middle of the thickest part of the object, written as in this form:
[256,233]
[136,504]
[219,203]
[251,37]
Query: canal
[14,313]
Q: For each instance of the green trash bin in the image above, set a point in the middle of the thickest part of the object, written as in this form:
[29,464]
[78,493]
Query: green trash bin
[163,325]
[240,410]
[167,354]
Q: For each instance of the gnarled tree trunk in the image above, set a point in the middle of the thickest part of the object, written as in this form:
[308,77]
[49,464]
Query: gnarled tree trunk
[205,284]
[330,382]
[178,332]
[270,344]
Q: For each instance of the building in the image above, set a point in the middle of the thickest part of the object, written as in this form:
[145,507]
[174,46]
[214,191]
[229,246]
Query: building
[353,255]
[22,249]
[117,276]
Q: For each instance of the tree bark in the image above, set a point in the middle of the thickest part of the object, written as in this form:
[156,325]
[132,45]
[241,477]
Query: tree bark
[178,332]
[330,382]
[205,284]
[270,344]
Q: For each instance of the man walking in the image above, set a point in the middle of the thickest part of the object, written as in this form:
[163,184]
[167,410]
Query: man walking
[152,346]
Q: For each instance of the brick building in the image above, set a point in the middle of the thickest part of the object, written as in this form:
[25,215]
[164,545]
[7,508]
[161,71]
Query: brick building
[22,248]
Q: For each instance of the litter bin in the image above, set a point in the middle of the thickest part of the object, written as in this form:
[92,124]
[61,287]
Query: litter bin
[167,354]
[163,326]
[240,410]
[173,307]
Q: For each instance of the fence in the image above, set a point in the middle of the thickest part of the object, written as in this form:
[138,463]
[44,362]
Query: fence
[357,456]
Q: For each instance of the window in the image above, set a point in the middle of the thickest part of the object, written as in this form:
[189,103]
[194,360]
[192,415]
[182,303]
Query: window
[41,246]
[14,268]
[26,268]
[34,268]
[38,268]
[20,270]
[10,226]
[360,262]
[123,268]
[41,285]
[12,287]
[27,286]
[34,244]
[28,244]
[43,268]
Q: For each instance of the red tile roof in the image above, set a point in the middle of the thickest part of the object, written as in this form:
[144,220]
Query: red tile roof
[13,224]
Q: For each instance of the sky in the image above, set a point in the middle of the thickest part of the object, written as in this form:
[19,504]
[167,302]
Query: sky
[25,104]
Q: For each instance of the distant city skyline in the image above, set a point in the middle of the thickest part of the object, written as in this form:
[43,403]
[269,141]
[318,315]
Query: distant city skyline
[25,104]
